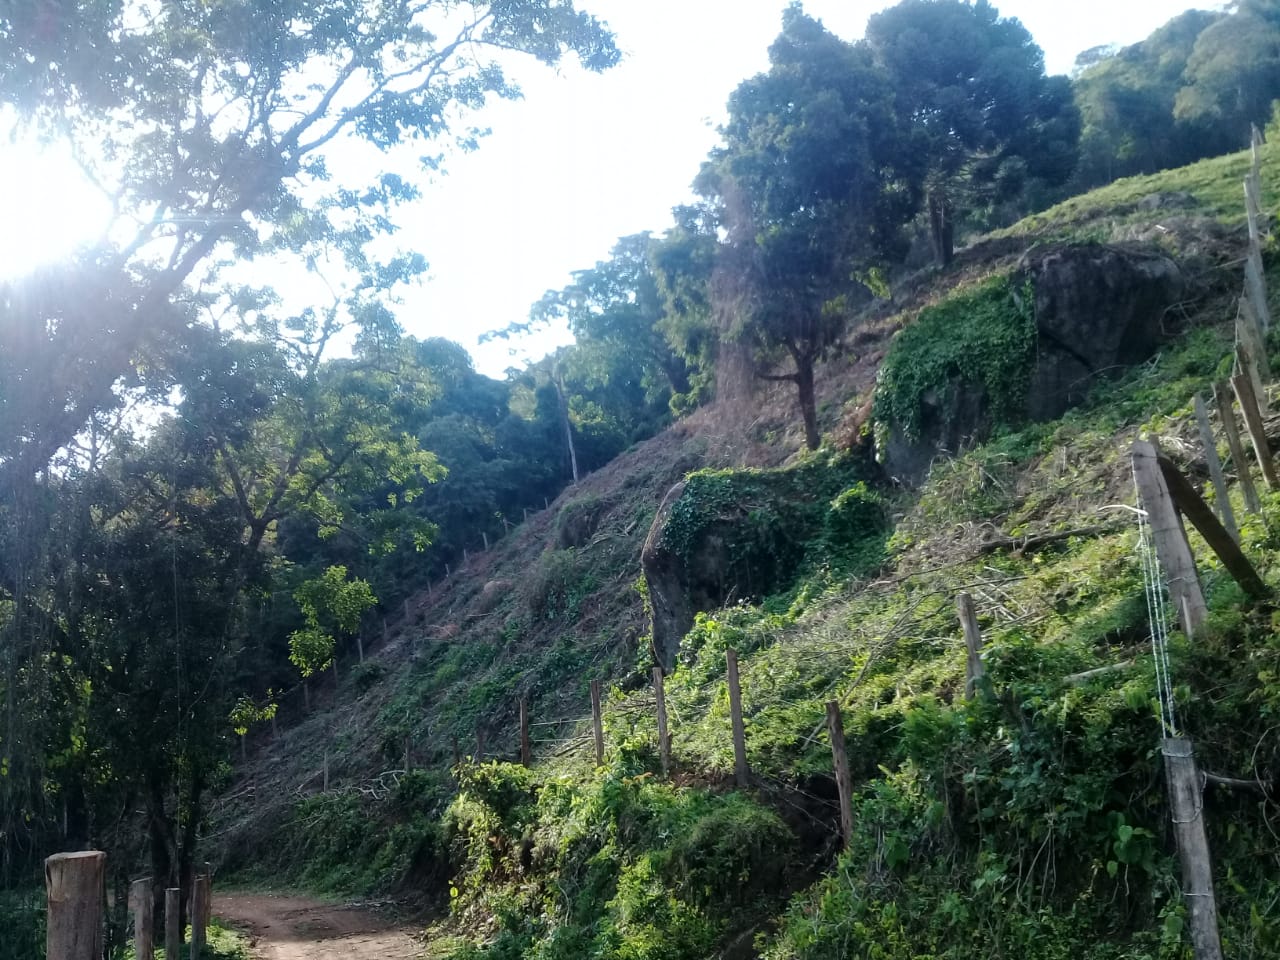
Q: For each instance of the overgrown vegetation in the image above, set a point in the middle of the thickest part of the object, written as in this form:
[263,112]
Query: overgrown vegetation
[983,337]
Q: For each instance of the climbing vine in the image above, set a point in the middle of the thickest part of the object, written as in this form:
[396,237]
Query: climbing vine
[984,336]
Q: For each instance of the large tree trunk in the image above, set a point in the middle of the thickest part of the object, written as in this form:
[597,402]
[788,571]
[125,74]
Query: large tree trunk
[808,403]
[941,227]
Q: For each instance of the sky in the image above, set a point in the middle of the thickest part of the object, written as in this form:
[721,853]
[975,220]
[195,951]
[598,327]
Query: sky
[581,160]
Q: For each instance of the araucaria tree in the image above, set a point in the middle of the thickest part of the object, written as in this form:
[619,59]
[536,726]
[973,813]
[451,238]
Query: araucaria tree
[806,189]
[130,566]
[982,120]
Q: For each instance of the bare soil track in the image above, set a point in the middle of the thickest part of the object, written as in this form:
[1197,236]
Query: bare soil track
[301,928]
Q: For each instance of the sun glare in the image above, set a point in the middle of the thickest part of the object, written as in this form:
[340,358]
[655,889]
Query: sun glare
[47,207]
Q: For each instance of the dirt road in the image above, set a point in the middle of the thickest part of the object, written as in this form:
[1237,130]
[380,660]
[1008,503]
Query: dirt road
[300,928]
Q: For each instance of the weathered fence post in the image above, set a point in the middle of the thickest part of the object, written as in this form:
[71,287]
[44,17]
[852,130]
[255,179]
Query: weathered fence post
[1172,548]
[200,904]
[172,922]
[74,886]
[526,748]
[142,906]
[1186,802]
[974,669]
[1215,469]
[741,772]
[1227,414]
[840,761]
[1192,506]
[664,739]
[597,721]
[1249,408]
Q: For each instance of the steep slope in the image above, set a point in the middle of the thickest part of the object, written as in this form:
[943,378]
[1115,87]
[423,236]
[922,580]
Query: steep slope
[1028,821]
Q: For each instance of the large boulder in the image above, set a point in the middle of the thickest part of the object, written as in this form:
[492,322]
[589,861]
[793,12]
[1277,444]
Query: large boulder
[1097,310]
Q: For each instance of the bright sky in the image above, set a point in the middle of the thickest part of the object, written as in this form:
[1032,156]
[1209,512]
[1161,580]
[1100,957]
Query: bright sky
[581,161]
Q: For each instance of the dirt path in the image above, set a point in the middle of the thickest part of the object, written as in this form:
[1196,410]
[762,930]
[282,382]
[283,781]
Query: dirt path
[300,928]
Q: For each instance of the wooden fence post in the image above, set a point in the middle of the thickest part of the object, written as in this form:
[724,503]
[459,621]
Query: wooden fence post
[1250,335]
[1227,414]
[974,669]
[840,760]
[1170,538]
[1243,388]
[200,904]
[142,906]
[1186,802]
[1192,506]
[741,772]
[664,739]
[172,922]
[75,888]
[1215,469]
[526,748]
[597,721]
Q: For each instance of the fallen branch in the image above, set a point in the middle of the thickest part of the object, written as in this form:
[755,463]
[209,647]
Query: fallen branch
[1076,679]
[1024,544]
[1263,787]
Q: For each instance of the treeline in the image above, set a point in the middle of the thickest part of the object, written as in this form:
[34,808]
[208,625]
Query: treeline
[201,495]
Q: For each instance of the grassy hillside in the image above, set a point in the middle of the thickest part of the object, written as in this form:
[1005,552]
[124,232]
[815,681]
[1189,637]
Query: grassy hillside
[1027,822]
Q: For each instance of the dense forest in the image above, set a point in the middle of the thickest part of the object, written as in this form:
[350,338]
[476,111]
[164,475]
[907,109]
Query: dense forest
[207,493]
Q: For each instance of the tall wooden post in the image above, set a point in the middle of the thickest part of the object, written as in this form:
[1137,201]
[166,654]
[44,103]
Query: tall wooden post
[1186,802]
[741,772]
[200,904]
[974,669]
[142,906]
[840,761]
[75,888]
[1227,415]
[526,747]
[664,738]
[1249,408]
[1210,445]
[1172,548]
[597,721]
[172,922]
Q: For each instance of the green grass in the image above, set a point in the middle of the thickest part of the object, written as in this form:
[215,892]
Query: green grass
[1216,184]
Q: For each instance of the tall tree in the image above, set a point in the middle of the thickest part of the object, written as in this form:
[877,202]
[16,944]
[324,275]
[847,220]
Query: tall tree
[805,186]
[983,118]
